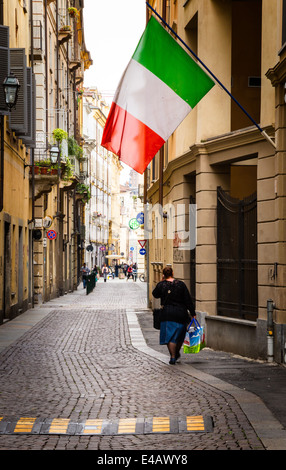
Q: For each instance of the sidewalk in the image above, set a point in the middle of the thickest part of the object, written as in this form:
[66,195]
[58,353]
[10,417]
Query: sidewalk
[258,388]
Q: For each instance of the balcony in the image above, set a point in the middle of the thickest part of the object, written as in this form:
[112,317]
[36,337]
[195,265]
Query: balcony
[64,34]
[76,166]
[45,177]
[74,64]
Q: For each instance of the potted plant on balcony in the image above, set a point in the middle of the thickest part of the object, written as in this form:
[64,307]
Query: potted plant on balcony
[73,12]
[59,135]
[42,167]
[68,171]
[65,28]
[74,149]
[83,189]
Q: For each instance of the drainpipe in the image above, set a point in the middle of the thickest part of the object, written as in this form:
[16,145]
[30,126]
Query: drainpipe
[32,153]
[270,331]
[2,12]
[46,72]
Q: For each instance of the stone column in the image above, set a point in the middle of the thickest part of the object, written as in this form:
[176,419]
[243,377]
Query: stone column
[208,179]
[274,233]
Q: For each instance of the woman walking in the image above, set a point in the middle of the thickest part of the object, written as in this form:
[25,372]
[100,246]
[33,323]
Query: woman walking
[105,271]
[176,301]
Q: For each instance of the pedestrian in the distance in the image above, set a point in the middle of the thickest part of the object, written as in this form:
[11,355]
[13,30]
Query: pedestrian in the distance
[84,272]
[129,272]
[134,272]
[105,272]
[176,301]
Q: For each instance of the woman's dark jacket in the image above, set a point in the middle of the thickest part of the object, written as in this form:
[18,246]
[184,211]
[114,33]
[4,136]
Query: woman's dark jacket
[176,301]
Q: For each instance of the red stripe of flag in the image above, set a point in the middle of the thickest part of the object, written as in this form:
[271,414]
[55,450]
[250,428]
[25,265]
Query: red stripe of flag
[130,139]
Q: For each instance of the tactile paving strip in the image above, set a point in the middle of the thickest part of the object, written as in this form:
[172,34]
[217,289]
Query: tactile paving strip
[107,427]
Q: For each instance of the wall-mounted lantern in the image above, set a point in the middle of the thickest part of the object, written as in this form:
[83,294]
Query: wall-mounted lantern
[11,87]
[54,154]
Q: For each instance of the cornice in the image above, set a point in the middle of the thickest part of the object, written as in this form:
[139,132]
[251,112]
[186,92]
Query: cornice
[235,139]
[211,147]
[277,74]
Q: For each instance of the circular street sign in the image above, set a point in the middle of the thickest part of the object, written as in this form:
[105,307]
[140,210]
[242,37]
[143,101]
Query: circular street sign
[51,234]
[140,218]
[134,224]
[47,221]
[142,251]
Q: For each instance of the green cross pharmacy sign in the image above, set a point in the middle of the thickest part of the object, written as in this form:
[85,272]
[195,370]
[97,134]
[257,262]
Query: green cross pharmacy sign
[134,224]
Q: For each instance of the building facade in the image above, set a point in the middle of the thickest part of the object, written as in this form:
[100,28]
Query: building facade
[102,212]
[219,161]
[132,222]
[17,139]
[42,221]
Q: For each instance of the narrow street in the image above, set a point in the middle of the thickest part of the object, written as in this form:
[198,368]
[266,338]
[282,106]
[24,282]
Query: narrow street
[79,379]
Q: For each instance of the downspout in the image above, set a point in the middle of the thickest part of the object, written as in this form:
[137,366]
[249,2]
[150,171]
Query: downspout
[46,72]
[32,150]
[59,192]
[67,84]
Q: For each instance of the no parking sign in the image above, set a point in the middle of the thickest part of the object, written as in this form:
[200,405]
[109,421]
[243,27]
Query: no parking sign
[52,234]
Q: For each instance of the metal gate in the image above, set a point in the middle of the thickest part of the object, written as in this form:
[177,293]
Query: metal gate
[193,267]
[237,256]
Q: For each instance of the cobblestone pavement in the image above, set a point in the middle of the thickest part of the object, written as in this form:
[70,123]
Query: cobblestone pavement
[78,362]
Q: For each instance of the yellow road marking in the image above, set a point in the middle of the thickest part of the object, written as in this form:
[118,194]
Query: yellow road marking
[25,425]
[127,425]
[161,424]
[59,426]
[93,426]
[195,423]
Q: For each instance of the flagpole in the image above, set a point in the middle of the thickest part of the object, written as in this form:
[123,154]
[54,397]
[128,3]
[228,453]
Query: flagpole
[212,75]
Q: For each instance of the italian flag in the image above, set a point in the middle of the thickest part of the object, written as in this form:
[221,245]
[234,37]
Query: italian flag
[159,87]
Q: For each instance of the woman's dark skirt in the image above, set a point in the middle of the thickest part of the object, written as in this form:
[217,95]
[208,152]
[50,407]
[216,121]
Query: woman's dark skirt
[171,331]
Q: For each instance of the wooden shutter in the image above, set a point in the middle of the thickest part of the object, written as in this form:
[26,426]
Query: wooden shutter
[34,107]
[5,64]
[29,137]
[19,114]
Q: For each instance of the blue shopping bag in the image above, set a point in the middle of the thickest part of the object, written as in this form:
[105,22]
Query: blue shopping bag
[194,340]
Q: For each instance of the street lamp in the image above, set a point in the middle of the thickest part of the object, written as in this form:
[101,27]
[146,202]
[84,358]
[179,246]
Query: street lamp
[11,87]
[54,153]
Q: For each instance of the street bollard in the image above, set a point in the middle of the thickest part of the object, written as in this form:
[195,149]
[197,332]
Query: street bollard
[270,331]
[90,283]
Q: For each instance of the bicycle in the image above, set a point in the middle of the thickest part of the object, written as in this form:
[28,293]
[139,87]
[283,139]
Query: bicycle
[142,277]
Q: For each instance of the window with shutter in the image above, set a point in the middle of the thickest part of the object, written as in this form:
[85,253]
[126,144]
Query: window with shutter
[5,64]
[27,138]
[19,114]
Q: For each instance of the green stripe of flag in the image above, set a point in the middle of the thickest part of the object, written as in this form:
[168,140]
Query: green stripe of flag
[165,58]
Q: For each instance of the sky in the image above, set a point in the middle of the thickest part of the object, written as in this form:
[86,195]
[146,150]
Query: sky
[112,29]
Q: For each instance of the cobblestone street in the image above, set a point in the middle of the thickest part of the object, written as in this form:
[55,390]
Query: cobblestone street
[78,363]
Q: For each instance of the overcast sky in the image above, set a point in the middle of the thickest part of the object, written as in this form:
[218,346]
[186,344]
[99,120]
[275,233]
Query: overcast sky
[112,29]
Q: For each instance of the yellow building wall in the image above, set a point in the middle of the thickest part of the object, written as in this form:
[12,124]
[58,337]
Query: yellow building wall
[16,204]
